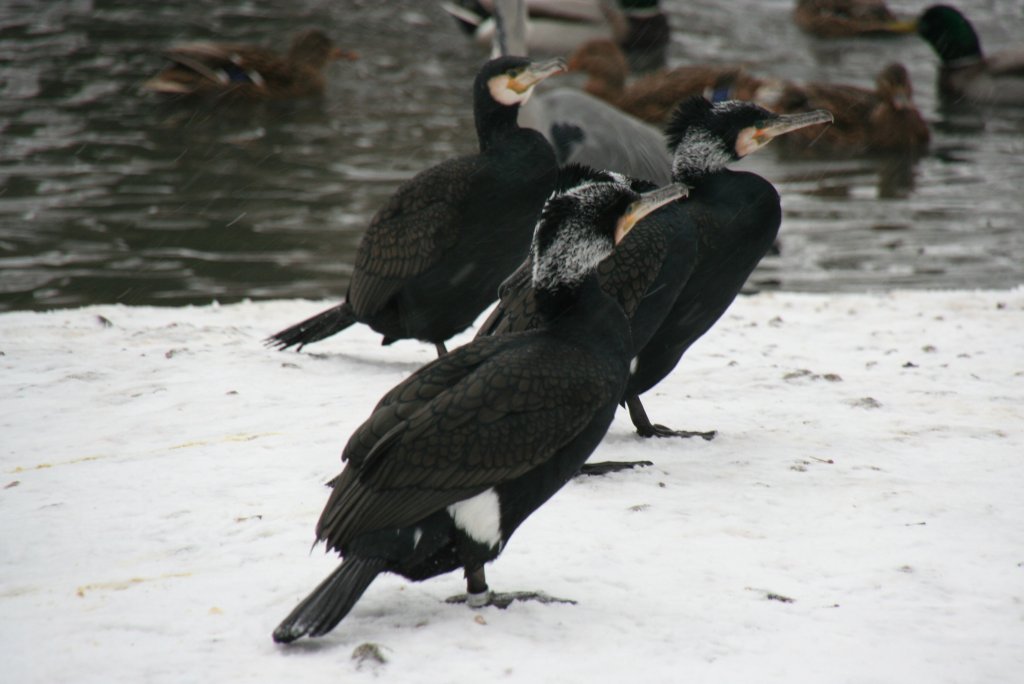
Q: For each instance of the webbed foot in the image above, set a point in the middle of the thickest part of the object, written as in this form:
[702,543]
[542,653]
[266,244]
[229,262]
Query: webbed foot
[504,600]
[606,467]
[645,428]
[656,430]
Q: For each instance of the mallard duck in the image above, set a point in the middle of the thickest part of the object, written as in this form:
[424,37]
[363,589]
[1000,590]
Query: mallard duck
[844,18]
[866,121]
[653,97]
[966,72]
[639,27]
[248,72]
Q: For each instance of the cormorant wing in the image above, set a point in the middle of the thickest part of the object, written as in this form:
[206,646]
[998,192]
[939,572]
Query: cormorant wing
[515,299]
[411,232]
[451,434]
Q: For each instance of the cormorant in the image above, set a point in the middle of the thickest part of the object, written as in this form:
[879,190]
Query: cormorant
[433,255]
[966,72]
[675,293]
[229,71]
[456,457]
[738,215]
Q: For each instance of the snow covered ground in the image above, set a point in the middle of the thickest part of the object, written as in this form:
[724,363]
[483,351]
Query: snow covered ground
[859,518]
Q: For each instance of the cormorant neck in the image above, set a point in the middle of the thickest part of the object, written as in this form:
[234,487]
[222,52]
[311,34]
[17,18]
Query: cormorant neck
[557,301]
[494,121]
[699,154]
[552,302]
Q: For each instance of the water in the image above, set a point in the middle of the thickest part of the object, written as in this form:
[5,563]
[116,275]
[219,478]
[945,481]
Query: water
[107,195]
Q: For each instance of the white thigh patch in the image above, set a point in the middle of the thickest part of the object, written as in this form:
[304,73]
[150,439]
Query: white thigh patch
[479,517]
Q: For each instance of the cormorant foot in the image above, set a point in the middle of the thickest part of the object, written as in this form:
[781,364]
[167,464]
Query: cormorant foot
[645,428]
[605,467]
[662,431]
[504,600]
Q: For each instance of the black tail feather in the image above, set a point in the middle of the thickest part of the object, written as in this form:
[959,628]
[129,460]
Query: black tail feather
[315,328]
[324,608]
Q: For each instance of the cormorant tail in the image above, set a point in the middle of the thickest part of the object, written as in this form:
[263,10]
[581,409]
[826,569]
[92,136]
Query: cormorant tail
[315,328]
[324,608]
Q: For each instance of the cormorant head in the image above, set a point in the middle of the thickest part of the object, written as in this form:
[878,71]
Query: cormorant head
[581,225]
[314,48]
[575,174]
[706,137]
[510,80]
[893,83]
[949,33]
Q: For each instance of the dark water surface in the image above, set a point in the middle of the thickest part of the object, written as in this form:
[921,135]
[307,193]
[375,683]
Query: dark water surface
[108,195]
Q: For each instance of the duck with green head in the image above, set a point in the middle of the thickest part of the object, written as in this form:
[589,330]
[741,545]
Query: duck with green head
[966,72]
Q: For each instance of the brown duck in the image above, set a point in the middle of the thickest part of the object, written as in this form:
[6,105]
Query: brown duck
[866,121]
[248,72]
[653,97]
[845,18]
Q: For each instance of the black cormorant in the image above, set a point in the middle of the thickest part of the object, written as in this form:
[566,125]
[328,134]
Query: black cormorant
[456,457]
[737,215]
[679,271]
[433,256]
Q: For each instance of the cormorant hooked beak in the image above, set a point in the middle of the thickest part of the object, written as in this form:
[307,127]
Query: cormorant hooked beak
[535,73]
[648,202]
[755,137]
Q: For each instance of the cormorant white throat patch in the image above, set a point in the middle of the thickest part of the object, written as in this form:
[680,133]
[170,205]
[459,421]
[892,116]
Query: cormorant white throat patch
[576,250]
[698,153]
[503,92]
[479,517]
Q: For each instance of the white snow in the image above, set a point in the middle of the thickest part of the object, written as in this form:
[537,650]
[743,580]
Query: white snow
[161,478]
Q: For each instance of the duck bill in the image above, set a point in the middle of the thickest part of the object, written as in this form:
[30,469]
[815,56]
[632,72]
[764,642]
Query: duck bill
[757,137]
[901,26]
[537,72]
[648,202]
